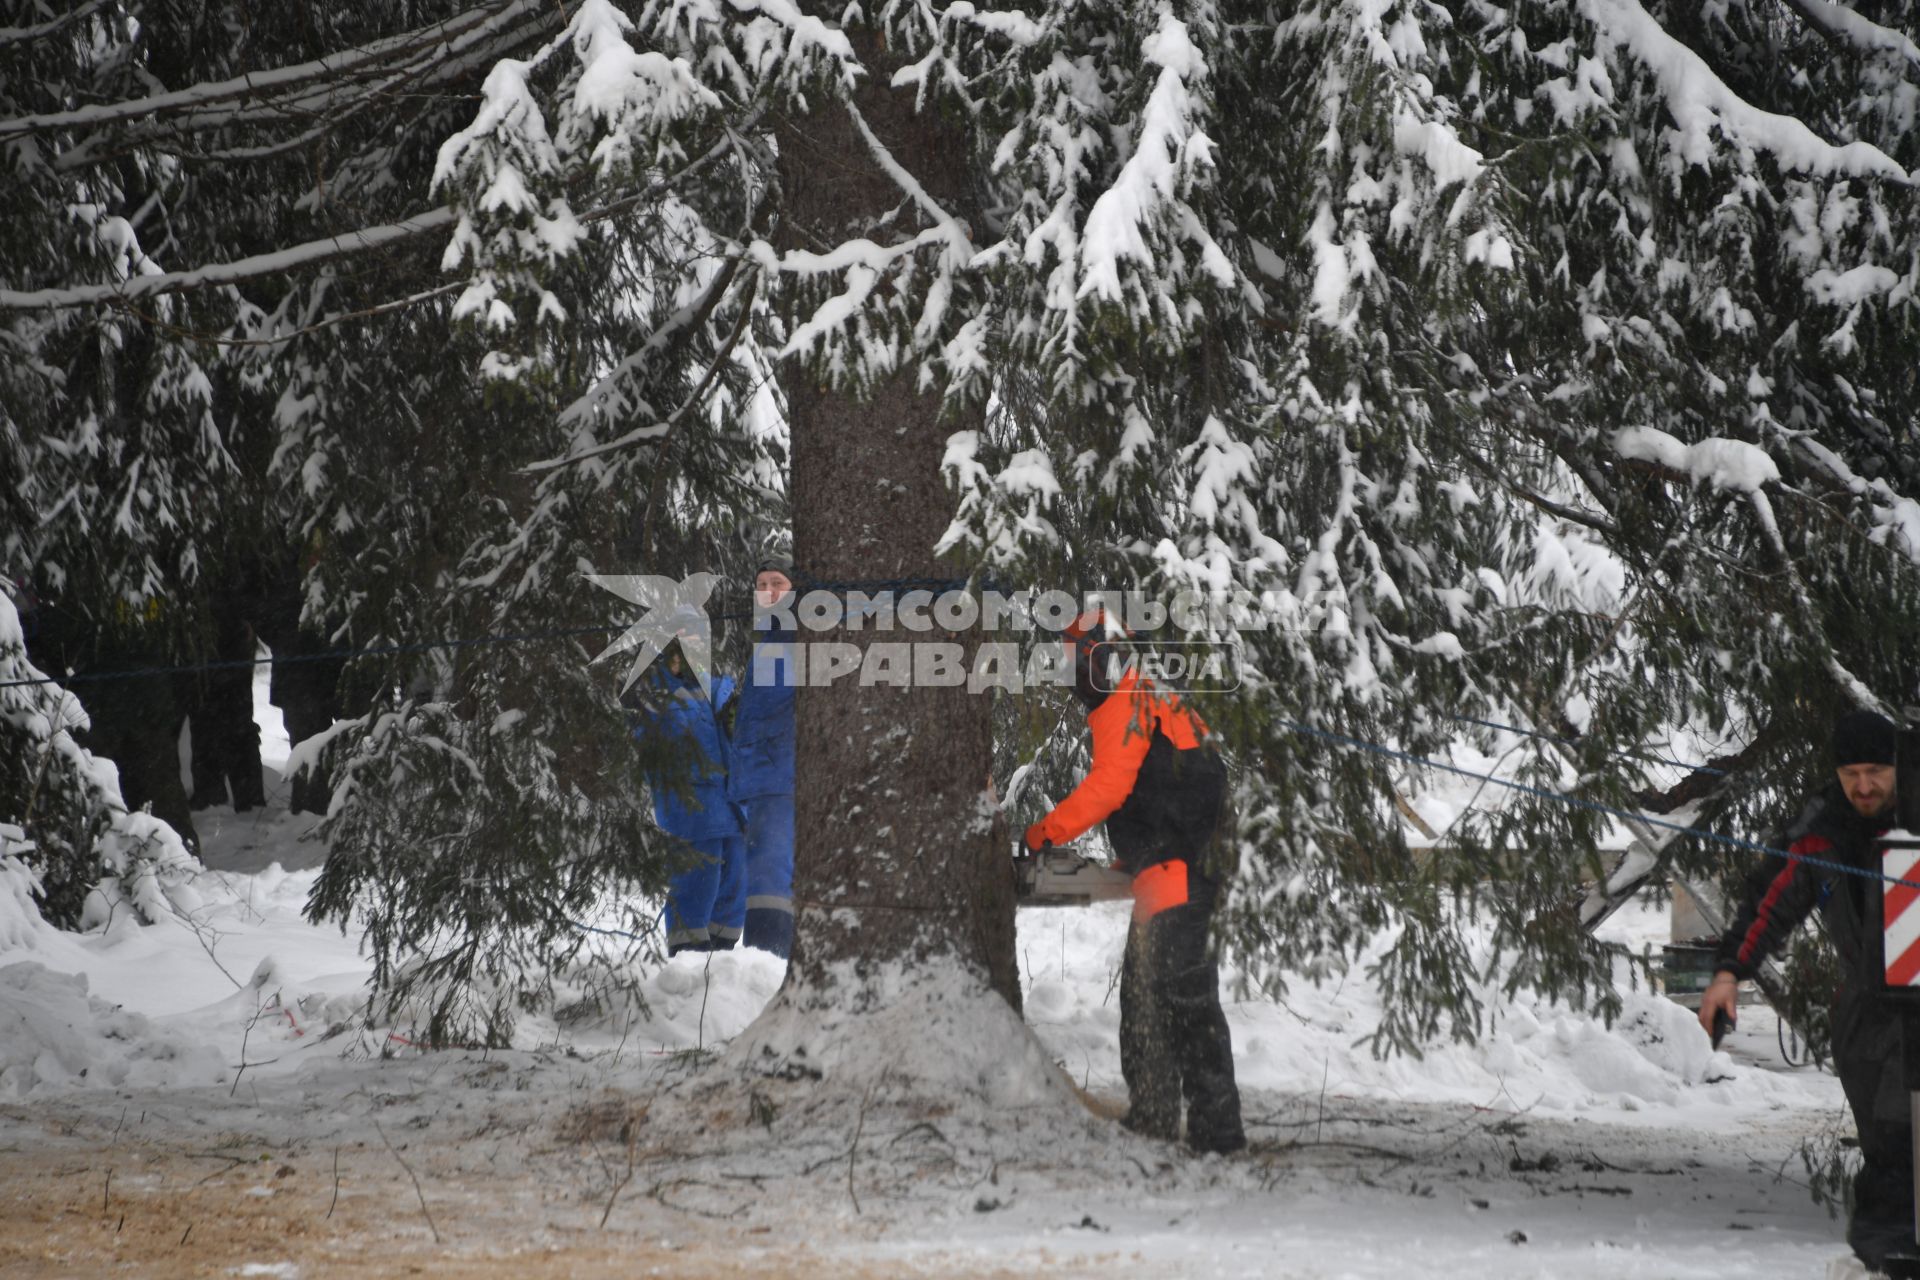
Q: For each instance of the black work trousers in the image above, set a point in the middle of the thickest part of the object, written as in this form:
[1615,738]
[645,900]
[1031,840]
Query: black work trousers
[1174,1041]
[1867,1056]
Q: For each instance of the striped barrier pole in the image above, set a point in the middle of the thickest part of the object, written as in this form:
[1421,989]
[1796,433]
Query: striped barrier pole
[1900,916]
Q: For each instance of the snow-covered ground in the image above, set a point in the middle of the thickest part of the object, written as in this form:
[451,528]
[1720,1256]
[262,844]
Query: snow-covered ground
[174,1100]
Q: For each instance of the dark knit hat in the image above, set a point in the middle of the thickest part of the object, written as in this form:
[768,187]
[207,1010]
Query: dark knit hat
[1864,737]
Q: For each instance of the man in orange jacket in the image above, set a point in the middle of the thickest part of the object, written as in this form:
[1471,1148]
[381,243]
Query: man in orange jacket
[1158,783]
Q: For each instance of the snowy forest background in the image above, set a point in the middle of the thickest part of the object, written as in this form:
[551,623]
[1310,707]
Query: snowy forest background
[1552,364]
[1548,369]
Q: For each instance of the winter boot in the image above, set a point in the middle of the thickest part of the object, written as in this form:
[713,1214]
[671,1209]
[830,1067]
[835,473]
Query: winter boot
[770,929]
[1151,1122]
[1224,1142]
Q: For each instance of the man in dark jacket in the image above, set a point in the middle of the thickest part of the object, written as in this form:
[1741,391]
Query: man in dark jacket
[1842,826]
[1158,783]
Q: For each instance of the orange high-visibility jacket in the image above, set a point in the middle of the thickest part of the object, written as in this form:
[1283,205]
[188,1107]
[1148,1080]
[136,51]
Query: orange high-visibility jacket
[1156,781]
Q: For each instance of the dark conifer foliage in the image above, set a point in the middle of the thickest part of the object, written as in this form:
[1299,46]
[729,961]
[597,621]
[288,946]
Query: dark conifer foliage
[1547,364]
[305,416]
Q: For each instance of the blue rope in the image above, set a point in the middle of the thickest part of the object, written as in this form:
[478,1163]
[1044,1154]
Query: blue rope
[926,583]
[1594,805]
[1574,742]
[377,651]
[492,638]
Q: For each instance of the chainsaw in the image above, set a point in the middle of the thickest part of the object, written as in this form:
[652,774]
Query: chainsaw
[1065,878]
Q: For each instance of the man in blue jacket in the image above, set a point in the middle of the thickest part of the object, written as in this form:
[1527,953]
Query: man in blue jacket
[706,902]
[761,777]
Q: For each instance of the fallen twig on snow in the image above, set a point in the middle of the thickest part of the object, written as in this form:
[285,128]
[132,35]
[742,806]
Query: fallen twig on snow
[621,1185]
[336,1183]
[658,1192]
[416,1181]
[853,1149]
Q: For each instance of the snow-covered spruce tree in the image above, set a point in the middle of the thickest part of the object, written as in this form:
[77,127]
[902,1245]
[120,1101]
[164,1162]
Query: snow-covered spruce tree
[1573,290]
[1381,309]
[487,794]
[124,453]
[67,833]
[905,896]
[1542,364]
[1508,349]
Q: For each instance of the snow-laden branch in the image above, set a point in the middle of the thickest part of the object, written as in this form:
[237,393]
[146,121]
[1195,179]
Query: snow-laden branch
[959,248]
[845,256]
[451,35]
[1701,101]
[1725,464]
[808,32]
[323,102]
[1897,517]
[1011,30]
[1169,148]
[1840,23]
[20,35]
[1809,616]
[657,431]
[1015,25]
[861,263]
[234,272]
[628,93]
[315,251]
[326,101]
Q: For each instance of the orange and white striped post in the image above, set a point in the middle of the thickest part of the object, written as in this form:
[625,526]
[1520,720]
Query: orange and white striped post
[1900,915]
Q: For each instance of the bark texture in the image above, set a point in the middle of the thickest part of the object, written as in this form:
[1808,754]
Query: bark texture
[895,862]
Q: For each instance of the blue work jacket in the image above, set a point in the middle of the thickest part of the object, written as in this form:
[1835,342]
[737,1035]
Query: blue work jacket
[702,810]
[763,728]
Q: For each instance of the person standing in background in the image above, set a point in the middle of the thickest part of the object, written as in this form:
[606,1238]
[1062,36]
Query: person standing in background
[705,900]
[761,777]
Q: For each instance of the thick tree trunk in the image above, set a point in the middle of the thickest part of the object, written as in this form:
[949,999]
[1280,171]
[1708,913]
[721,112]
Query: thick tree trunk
[903,879]
[898,861]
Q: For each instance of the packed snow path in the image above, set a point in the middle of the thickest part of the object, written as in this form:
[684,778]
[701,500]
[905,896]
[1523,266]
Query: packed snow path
[1555,1147]
[545,1164]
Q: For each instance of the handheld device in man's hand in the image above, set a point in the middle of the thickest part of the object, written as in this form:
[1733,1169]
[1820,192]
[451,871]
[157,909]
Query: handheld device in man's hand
[1722,1023]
